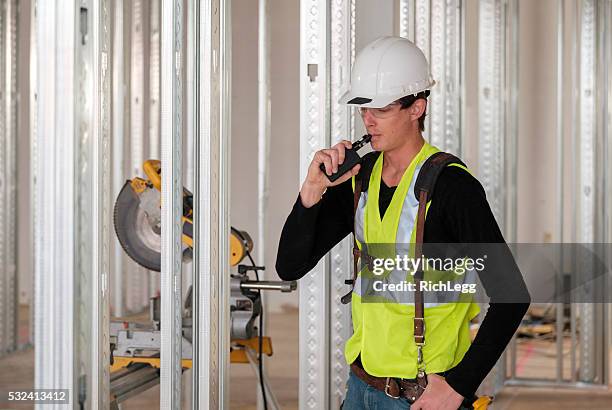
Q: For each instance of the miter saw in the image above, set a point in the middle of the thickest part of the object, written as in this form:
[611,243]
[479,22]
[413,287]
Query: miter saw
[135,347]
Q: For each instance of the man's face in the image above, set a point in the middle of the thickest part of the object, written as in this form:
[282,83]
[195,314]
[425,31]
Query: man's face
[391,126]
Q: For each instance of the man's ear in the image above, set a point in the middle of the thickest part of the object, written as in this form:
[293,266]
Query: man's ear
[418,108]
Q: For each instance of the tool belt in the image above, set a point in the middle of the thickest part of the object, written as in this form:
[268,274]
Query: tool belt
[410,389]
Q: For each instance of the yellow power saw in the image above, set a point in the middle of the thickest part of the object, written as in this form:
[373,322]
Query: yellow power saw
[135,347]
[137,219]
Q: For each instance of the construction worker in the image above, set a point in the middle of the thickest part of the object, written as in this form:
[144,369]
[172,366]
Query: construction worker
[390,367]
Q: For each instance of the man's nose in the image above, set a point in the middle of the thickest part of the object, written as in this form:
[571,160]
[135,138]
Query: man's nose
[368,119]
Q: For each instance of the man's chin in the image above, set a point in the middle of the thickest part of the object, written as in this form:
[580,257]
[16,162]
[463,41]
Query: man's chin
[375,142]
[376,146]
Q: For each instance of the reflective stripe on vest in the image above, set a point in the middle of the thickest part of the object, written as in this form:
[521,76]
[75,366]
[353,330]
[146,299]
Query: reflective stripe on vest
[383,332]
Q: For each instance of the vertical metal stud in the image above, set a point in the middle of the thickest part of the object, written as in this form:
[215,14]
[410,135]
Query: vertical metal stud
[264,124]
[84,71]
[224,101]
[422,36]
[211,216]
[491,118]
[314,126]
[574,135]
[154,79]
[154,103]
[118,120]
[263,144]
[511,130]
[138,295]
[55,196]
[101,201]
[436,26]
[154,99]
[34,162]
[560,167]
[8,177]
[342,51]
[494,126]
[607,134]
[189,127]
[406,19]
[172,203]
[586,183]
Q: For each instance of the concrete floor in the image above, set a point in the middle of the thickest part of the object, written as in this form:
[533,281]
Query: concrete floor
[535,358]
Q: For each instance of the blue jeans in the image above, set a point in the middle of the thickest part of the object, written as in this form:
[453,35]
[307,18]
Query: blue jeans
[362,396]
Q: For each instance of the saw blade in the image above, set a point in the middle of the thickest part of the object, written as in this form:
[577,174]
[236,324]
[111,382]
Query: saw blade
[140,240]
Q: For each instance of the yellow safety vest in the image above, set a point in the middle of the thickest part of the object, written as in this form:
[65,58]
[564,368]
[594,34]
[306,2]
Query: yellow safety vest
[383,332]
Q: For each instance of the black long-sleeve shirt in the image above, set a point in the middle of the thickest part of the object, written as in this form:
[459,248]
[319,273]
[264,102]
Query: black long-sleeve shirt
[459,213]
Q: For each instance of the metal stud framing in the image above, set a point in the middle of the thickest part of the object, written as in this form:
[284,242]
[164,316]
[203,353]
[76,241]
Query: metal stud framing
[587,189]
[314,128]
[138,295]
[54,196]
[583,34]
[8,176]
[342,52]
[264,120]
[154,77]
[491,116]
[328,38]
[33,124]
[211,223]
[172,201]
[83,211]
[497,129]
[101,203]
[406,19]
[72,199]
[153,102]
[436,27]
[118,173]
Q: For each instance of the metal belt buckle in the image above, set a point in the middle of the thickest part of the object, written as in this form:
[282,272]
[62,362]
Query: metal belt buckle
[387,389]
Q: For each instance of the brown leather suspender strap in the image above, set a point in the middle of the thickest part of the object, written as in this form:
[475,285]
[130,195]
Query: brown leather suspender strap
[419,304]
[356,253]
[424,188]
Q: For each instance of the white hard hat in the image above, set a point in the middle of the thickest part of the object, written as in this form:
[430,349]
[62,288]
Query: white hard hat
[386,70]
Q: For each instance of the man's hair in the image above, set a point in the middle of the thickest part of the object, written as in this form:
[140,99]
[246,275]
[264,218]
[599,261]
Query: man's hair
[408,100]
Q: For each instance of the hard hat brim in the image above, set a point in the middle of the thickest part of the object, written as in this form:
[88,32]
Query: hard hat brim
[349,98]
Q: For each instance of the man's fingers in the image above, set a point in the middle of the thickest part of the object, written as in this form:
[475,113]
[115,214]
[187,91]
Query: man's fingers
[347,144]
[341,147]
[348,175]
[327,162]
[334,155]
[321,157]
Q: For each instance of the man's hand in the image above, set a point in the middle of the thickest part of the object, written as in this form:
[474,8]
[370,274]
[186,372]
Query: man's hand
[438,395]
[316,182]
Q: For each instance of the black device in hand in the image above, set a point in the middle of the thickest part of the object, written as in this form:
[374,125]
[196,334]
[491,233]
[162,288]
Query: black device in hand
[351,158]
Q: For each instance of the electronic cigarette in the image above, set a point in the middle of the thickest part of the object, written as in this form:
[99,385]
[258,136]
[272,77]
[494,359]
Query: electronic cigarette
[351,158]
